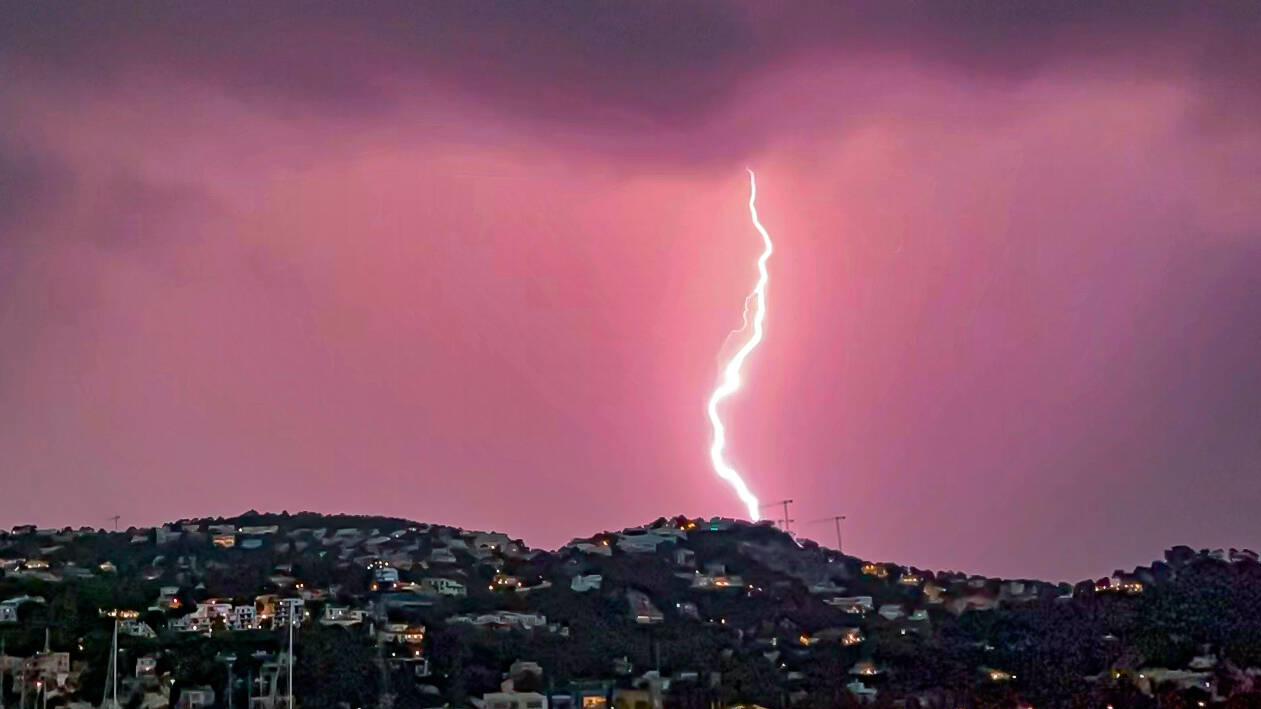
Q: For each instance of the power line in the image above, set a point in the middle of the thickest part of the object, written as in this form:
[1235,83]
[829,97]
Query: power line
[835,519]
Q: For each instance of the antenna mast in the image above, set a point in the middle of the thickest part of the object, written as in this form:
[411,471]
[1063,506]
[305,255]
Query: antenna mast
[786,522]
[835,519]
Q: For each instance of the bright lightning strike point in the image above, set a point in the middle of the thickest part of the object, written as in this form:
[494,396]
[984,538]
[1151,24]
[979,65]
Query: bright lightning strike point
[729,381]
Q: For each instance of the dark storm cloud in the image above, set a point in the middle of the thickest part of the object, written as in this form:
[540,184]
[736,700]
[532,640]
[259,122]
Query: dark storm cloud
[614,64]
[32,183]
[445,248]
[628,54]
[127,211]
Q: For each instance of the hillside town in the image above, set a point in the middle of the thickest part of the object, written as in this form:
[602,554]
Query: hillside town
[269,611]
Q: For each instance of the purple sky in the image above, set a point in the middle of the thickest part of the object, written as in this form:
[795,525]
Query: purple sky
[473,263]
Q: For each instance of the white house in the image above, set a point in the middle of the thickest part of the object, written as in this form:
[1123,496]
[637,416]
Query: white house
[641,542]
[1182,679]
[196,698]
[857,605]
[136,629]
[342,615]
[522,668]
[508,698]
[642,608]
[243,618]
[586,582]
[372,543]
[385,574]
[166,534]
[934,592]
[826,587]
[203,619]
[716,581]
[167,598]
[443,586]
[442,555]
[401,633]
[283,606]
[687,609]
[1203,662]
[891,611]
[492,541]
[980,600]
[50,667]
[502,619]
[588,547]
[861,691]
[685,557]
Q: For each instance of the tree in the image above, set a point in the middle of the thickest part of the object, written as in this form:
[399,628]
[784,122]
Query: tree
[751,679]
[334,668]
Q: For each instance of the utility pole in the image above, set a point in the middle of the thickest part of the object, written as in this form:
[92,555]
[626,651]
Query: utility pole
[293,607]
[229,660]
[786,521]
[111,675]
[115,519]
[835,519]
[114,657]
[380,616]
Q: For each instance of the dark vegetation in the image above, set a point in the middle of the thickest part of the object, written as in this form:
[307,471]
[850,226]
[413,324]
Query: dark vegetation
[770,641]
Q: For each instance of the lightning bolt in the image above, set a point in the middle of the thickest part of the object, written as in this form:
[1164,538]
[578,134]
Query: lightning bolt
[729,382]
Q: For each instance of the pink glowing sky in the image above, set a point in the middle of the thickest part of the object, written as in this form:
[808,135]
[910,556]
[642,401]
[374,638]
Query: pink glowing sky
[473,263]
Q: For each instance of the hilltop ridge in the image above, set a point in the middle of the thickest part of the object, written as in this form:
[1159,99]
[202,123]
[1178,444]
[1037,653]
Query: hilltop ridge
[722,610]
